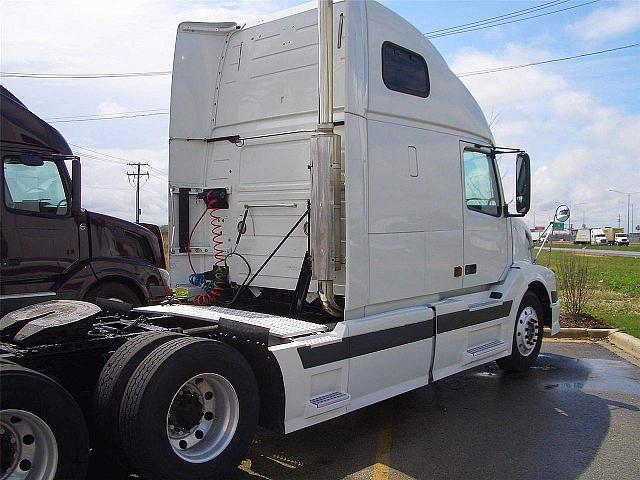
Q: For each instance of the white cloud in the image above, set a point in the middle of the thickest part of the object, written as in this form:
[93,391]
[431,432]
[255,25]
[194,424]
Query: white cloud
[109,107]
[579,146]
[613,21]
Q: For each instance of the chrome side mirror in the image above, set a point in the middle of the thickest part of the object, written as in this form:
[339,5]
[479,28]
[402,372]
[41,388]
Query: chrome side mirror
[562,213]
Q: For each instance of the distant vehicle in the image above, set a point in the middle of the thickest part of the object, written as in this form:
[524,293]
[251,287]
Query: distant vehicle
[590,236]
[51,248]
[616,236]
[621,239]
[598,237]
[583,237]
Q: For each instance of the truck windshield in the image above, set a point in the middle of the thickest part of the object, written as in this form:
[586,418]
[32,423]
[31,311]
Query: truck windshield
[34,189]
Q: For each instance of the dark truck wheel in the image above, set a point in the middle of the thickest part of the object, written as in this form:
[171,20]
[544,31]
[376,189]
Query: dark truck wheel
[114,378]
[527,336]
[189,411]
[113,291]
[43,432]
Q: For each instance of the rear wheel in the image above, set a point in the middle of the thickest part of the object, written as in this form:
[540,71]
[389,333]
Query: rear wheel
[189,411]
[43,434]
[527,335]
[114,291]
[114,378]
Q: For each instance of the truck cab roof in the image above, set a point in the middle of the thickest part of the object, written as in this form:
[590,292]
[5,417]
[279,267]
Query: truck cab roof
[21,129]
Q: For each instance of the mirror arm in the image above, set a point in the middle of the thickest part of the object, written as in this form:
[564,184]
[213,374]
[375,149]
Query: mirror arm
[509,214]
[76,188]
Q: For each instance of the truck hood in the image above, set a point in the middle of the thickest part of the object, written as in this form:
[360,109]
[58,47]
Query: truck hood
[105,231]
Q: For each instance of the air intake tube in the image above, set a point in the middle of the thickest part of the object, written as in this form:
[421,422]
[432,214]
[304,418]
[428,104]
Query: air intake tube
[325,171]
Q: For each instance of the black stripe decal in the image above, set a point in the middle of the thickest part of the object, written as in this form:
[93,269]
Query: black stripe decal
[394,337]
[466,318]
[366,343]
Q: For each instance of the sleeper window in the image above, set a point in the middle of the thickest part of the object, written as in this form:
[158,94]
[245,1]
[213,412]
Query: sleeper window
[480,183]
[404,71]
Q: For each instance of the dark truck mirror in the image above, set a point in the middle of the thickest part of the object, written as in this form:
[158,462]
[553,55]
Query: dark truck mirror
[76,186]
[523,183]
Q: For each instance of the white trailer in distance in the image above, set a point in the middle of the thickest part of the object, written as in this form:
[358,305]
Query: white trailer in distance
[337,218]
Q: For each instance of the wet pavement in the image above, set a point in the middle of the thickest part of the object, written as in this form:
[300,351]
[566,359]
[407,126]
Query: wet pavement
[575,415]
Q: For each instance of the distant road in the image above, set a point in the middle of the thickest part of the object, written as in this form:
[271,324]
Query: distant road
[615,253]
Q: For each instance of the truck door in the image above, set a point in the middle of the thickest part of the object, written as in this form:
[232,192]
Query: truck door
[39,235]
[486,248]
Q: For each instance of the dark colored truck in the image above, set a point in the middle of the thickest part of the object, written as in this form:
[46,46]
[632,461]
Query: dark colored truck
[51,248]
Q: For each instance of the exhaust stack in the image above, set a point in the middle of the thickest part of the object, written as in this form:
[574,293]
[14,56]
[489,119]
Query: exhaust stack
[325,171]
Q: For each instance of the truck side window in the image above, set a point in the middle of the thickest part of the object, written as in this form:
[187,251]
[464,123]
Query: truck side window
[480,183]
[34,189]
[404,71]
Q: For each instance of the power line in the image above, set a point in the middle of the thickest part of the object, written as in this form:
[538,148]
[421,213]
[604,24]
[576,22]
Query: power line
[116,160]
[553,60]
[515,13]
[122,161]
[63,76]
[466,30]
[107,117]
[102,115]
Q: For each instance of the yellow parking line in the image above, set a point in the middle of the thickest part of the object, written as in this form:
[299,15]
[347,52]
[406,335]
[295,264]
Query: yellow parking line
[381,468]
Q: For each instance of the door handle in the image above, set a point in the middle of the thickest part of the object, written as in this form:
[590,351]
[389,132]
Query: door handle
[10,262]
[413,162]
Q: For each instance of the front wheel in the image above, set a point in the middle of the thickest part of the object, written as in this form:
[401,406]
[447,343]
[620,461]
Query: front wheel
[190,410]
[527,336]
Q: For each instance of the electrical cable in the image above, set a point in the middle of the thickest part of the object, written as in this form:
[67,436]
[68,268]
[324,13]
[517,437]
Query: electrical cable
[562,59]
[62,76]
[515,13]
[101,115]
[108,118]
[467,30]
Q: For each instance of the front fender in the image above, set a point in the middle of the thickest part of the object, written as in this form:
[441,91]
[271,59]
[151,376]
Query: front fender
[136,272]
[523,276]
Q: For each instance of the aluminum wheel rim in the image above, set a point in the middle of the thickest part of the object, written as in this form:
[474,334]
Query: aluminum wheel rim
[30,445]
[202,418]
[527,331]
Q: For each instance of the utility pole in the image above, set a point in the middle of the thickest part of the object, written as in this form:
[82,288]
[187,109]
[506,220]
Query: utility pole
[618,220]
[628,194]
[136,176]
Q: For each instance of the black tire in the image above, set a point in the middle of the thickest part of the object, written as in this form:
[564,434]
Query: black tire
[113,380]
[517,361]
[114,290]
[32,392]
[150,392]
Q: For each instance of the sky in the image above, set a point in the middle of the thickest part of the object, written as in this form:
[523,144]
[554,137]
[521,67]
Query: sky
[579,119]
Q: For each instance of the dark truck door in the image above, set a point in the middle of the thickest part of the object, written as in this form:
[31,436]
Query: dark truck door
[39,235]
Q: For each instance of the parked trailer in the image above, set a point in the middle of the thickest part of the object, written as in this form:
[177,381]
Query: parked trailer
[345,258]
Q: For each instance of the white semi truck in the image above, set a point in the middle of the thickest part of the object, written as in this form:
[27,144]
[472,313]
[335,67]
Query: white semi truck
[590,236]
[339,236]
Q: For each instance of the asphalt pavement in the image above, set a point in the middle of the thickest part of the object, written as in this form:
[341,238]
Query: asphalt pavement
[606,253]
[575,415]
